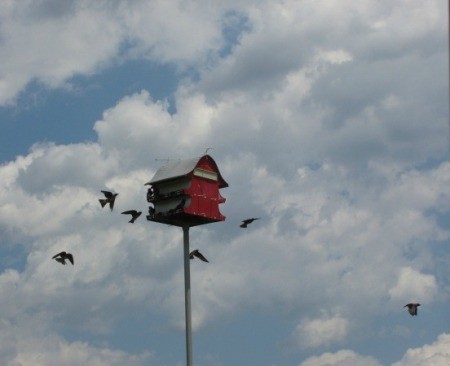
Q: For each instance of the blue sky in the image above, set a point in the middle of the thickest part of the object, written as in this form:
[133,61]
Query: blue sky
[330,122]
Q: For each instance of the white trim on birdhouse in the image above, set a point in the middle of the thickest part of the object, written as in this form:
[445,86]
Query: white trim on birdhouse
[206,174]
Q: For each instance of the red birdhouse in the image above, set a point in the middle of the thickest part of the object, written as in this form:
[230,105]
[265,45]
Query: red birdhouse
[186,193]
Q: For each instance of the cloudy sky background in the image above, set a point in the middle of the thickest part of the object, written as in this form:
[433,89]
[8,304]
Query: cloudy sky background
[328,119]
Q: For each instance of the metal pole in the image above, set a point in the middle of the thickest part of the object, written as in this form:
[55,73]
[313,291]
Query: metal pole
[448,35]
[187,296]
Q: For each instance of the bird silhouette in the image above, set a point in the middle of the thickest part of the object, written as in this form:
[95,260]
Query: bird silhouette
[134,215]
[412,308]
[61,258]
[196,253]
[110,198]
[181,204]
[248,221]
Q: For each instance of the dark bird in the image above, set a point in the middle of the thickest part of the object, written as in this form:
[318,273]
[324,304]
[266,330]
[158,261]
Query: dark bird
[412,308]
[134,215]
[110,198]
[181,204]
[61,258]
[248,221]
[197,254]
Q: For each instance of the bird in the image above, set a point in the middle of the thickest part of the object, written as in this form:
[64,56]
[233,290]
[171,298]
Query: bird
[61,258]
[134,215]
[110,198]
[197,254]
[181,204]
[248,221]
[412,308]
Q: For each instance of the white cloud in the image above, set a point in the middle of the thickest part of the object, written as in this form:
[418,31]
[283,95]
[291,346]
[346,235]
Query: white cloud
[51,42]
[413,286]
[340,358]
[19,347]
[51,49]
[436,354]
[316,232]
[155,132]
[321,331]
[316,124]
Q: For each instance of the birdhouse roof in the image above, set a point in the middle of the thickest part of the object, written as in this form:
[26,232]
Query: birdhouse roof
[181,168]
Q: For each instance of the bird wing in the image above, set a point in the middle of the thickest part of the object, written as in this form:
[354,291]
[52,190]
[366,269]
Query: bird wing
[111,202]
[249,221]
[57,255]
[130,212]
[70,258]
[200,256]
[107,194]
[61,260]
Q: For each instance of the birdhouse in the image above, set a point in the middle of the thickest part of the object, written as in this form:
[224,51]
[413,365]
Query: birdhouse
[186,193]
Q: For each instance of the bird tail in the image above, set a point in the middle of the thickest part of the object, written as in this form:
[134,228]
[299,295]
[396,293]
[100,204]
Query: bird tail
[103,201]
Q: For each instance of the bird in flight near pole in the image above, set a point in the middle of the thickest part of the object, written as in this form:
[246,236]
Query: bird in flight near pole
[248,221]
[110,198]
[134,215]
[61,258]
[412,308]
[197,254]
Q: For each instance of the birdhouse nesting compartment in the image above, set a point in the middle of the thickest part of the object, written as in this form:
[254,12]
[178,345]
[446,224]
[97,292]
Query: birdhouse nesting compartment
[186,193]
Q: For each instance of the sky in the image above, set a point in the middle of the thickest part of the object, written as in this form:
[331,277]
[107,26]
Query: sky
[329,120]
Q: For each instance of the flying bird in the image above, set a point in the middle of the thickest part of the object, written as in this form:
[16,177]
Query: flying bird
[248,221]
[61,258]
[134,215]
[197,254]
[110,198]
[412,308]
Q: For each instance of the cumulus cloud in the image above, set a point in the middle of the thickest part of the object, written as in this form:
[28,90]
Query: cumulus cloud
[50,42]
[340,358]
[413,286]
[39,45]
[436,353]
[318,232]
[317,125]
[20,347]
[153,126]
[322,331]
